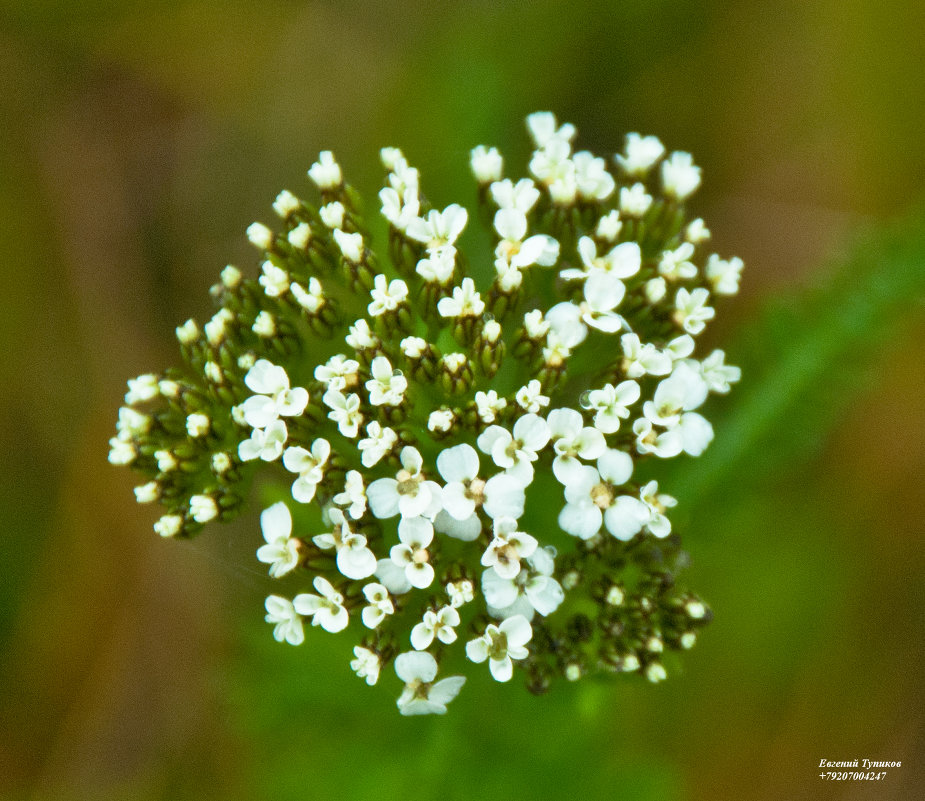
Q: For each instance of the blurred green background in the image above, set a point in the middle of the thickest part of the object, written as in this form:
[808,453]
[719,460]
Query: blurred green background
[138,140]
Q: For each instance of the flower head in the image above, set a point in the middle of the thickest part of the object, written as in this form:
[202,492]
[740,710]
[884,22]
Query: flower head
[443,408]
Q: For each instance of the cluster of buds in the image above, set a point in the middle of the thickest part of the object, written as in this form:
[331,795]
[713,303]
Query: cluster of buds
[461,434]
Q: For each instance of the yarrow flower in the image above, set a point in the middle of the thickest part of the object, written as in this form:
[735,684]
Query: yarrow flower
[459,451]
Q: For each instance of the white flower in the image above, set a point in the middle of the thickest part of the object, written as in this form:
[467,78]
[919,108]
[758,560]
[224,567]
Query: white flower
[488,404]
[438,266]
[187,333]
[551,165]
[217,327]
[326,171]
[507,548]
[286,621]
[142,389]
[530,398]
[387,296]
[675,264]
[724,275]
[378,442]
[569,321]
[309,466]
[680,347]
[300,236]
[466,302]
[411,553]
[360,337]
[591,176]
[274,280]
[213,372]
[440,624]
[414,347]
[354,559]
[680,178]
[460,592]
[621,261]
[393,577]
[641,359]
[696,433]
[521,196]
[202,508]
[399,208]
[696,232]
[385,388]
[500,496]
[274,398]
[591,497]
[166,461]
[310,299]
[338,372]
[354,495]
[683,391]
[535,325]
[641,154]
[132,423]
[260,236]
[611,404]
[351,245]
[532,590]
[634,200]
[332,215]
[500,644]
[380,605]
[148,493]
[658,524]
[345,411]
[169,388]
[486,164]
[122,451]
[511,225]
[514,452]
[286,204]
[366,665]
[282,550]
[264,326]
[169,526]
[718,375]
[608,226]
[408,494]
[655,289]
[543,131]
[231,276]
[691,310]
[326,610]
[509,278]
[421,695]
[665,444]
[440,420]
[198,424]
[221,462]
[440,228]
[572,439]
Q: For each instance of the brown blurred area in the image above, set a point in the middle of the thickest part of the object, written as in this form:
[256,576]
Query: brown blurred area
[138,142]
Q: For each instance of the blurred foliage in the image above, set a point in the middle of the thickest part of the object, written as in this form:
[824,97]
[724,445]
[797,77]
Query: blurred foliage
[139,140]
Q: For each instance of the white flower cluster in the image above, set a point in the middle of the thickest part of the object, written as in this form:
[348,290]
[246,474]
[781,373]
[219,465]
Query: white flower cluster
[445,422]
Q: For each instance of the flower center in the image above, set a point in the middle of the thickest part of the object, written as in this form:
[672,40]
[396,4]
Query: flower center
[419,556]
[476,491]
[602,496]
[498,648]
